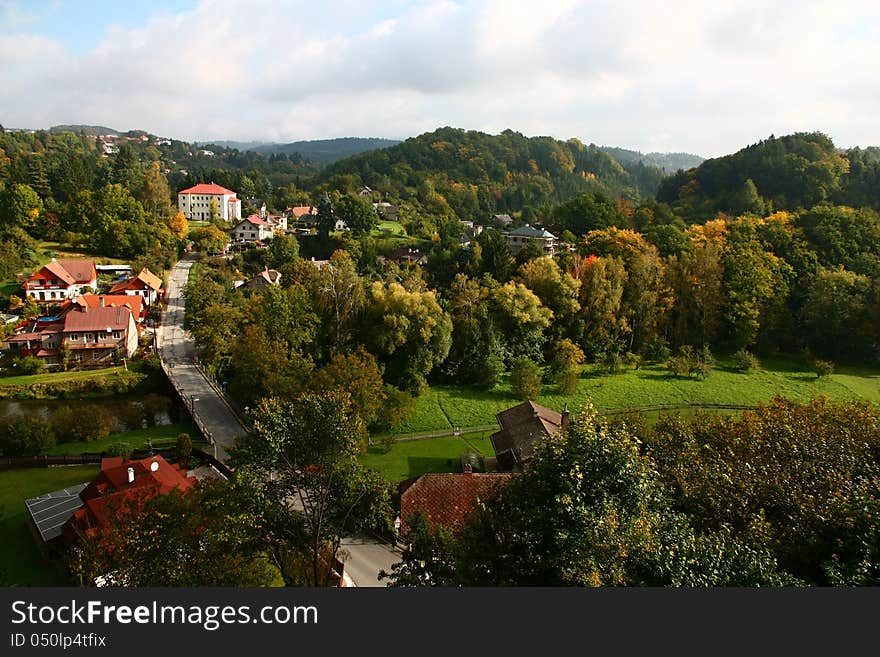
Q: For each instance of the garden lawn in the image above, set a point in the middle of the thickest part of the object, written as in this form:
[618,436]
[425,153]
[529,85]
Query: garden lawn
[443,406]
[20,559]
[416,457]
[59,377]
[164,437]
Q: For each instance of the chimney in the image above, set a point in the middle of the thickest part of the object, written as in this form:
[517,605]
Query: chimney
[101,301]
[130,475]
[565,416]
[468,468]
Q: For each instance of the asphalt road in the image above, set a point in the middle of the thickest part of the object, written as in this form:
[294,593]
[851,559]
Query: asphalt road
[177,350]
[367,557]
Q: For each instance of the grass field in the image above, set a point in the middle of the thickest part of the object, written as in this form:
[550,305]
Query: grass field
[60,377]
[416,457]
[443,407]
[163,437]
[20,560]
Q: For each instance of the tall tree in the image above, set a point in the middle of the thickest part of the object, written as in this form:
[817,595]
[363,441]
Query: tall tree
[303,458]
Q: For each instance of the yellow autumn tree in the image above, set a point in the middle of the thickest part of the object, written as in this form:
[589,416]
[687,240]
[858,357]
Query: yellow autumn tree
[179,226]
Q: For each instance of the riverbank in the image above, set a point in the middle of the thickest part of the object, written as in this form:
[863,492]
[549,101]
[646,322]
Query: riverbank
[140,377]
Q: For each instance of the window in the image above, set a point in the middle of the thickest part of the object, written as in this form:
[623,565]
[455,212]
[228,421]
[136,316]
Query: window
[74,337]
[117,335]
[96,355]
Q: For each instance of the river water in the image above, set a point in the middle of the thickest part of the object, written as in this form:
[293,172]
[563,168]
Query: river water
[129,412]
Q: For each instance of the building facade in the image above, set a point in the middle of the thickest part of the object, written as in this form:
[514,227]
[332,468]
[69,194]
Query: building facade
[195,202]
[519,237]
[61,280]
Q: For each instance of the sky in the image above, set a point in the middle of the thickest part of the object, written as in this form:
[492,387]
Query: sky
[678,75]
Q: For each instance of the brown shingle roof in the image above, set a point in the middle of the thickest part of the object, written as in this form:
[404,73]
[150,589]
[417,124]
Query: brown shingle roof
[83,271]
[521,426]
[97,319]
[447,499]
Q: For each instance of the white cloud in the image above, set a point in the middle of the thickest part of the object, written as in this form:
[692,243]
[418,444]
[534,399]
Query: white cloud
[685,75]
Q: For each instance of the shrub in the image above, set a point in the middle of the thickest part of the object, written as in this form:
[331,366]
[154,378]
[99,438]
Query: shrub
[745,361]
[688,362]
[657,350]
[184,449]
[525,379]
[28,365]
[118,449]
[823,368]
[89,422]
[612,361]
[25,436]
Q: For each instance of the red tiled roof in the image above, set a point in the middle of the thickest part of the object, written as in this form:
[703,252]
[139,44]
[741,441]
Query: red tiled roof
[133,302]
[145,278]
[256,221]
[206,188]
[97,319]
[447,499]
[112,491]
[301,210]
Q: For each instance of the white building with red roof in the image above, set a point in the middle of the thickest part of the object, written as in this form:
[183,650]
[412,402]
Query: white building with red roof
[252,229]
[60,280]
[195,202]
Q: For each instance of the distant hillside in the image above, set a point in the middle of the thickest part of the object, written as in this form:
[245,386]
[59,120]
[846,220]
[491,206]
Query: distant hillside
[778,173]
[92,130]
[237,145]
[669,162]
[326,151]
[475,174]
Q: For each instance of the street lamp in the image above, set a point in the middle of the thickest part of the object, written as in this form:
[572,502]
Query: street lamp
[192,411]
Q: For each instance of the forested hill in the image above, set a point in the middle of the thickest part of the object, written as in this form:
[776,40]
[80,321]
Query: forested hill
[326,151]
[669,162]
[778,173]
[476,174]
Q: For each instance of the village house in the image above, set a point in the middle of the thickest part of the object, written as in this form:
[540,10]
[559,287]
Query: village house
[195,202]
[519,237]
[146,284]
[61,279]
[94,337]
[264,279]
[447,499]
[66,515]
[386,211]
[521,427]
[408,255]
[257,204]
[135,303]
[251,230]
[305,214]
[277,221]
[503,219]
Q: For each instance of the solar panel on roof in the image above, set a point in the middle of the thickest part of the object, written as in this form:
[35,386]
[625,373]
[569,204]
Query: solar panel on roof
[50,511]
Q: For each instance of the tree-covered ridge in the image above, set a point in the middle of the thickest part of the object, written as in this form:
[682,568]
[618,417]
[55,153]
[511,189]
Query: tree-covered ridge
[779,173]
[473,174]
[669,162]
[326,151]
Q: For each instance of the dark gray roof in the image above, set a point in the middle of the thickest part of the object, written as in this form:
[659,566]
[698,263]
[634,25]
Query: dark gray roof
[530,231]
[50,511]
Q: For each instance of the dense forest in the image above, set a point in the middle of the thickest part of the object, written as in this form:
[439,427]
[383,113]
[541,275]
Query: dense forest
[474,175]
